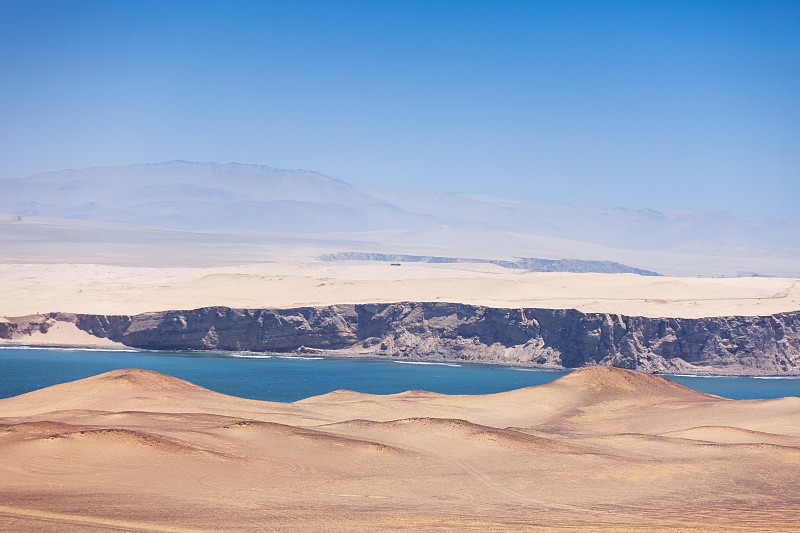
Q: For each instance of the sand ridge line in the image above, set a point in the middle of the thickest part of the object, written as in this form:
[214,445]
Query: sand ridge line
[81,520]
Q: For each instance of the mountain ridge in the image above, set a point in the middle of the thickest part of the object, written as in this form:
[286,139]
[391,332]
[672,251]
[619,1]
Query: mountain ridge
[239,198]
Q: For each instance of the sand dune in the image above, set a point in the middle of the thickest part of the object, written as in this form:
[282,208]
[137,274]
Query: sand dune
[601,449]
[603,383]
[104,289]
[733,435]
[64,334]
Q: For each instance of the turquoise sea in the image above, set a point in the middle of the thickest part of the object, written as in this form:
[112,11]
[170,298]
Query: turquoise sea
[288,378]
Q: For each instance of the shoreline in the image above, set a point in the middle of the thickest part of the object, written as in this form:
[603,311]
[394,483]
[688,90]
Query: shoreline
[437,331]
[361,356]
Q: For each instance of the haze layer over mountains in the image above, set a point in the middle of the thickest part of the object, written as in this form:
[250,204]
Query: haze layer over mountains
[280,214]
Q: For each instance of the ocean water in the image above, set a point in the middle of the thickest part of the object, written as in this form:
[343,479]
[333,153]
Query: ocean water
[287,378]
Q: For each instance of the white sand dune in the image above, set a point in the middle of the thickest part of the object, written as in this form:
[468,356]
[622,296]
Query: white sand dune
[601,449]
[63,334]
[103,289]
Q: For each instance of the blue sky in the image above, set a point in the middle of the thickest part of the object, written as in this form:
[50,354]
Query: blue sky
[667,105]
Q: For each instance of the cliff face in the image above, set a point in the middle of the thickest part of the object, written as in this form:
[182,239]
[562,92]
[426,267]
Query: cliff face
[548,338]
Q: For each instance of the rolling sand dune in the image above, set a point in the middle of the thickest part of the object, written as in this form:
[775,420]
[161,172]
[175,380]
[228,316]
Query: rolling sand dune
[731,435]
[601,449]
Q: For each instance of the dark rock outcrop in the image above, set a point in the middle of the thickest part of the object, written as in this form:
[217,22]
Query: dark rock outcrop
[222,328]
[547,338]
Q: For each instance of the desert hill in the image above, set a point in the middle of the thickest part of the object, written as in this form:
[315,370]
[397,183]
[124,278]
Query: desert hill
[601,449]
[261,199]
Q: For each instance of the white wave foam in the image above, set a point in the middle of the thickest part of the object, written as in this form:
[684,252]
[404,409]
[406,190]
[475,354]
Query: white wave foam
[704,376]
[70,349]
[250,356]
[426,363]
[526,369]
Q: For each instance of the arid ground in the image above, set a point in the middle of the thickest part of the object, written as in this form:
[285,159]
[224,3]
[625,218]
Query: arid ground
[600,449]
[107,289]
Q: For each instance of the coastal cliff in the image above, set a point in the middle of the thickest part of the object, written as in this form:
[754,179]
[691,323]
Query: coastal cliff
[428,331]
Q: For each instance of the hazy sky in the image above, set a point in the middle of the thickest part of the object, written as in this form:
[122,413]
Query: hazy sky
[676,105]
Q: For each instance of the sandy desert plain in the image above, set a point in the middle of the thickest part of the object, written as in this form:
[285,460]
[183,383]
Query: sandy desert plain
[601,449]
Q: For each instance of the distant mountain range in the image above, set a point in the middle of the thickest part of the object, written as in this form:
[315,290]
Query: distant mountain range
[258,200]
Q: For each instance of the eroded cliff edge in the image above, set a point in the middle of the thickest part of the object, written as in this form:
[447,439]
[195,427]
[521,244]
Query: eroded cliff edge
[433,331]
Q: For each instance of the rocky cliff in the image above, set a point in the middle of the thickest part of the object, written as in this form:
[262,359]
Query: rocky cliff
[546,338]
